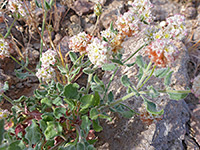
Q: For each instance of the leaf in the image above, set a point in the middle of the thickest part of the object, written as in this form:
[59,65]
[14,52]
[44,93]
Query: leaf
[167,79]
[71,91]
[96,99]
[22,75]
[97,80]
[127,114]
[59,86]
[153,93]
[80,146]
[6,86]
[161,72]
[177,96]
[16,145]
[37,4]
[1,130]
[40,93]
[70,102]
[94,114]
[91,147]
[112,28]
[43,125]
[130,65]
[21,99]
[139,61]
[53,129]
[97,88]
[151,107]
[87,101]
[85,125]
[33,133]
[117,61]
[48,116]
[62,70]
[125,81]
[59,112]
[46,101]
[88,71]
[57,101]
[46,4]
[105,117]
[109,67]
[105,39]
[72,56]
[110,97]
[96,126]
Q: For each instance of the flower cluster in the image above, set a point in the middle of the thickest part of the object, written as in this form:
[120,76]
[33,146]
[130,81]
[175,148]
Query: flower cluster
[79,42]
[161,49]
[4,113]
[162,52]
[98,52]
[196,86]
[143,10]
[4,48]
[46,72]
[17,6]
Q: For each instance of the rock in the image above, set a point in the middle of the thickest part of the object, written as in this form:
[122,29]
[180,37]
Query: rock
[111,12]
[74,29]
[75,19]
[57,39]
[189,11]
[196,36]
[82,7]
[64,46]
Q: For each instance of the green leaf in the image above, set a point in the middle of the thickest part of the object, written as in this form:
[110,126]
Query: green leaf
[85,125]
[139,61]
[33,133]
[22,75]
[112,28]
[88,71]
[167,80]
[59,86]
[97,80]
[48,116]
[46,4]
[1,130]
[72,56]
[57,101]
[97,88]
[16,145]
[80,146]
[46,101]
[105,39]
[53,129]
[109,67]
[96,126]
[94,114]
[37,4]
[110,97]
[177,96]
[43,125]
[21,99]
[153,93]
[117,61]
[91,147]
[40,93]
[130,65]
[105,117]
[59,112]
[125,81]
[63,71]
[87,101]
[96,99]
[71,91]
[5,86]
[127,114]
[161,72]
[151,107]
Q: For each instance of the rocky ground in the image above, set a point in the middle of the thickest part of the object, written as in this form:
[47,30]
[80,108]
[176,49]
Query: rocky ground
[180,127]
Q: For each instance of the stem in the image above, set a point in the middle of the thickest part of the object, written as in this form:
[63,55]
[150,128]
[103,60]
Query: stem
[174,91]
[111,79]
[95,25]
[147,78]
[122,99]
[88,82]
[43,25]
[144,75]
[134,53]
[9,30]
[8,99]
[22,65]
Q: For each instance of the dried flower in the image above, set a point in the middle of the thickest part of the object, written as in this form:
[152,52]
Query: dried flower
[196,86]
[17,6]
[128,24]
[79,42]
[162,52]
[149,118]
[98,52]
[4,48]
[4,113]
[97,9]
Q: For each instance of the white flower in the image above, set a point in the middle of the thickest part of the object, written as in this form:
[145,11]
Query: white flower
[4,113]
[46,74]
[98,52]
[4,48]
[48,58]
[17,6]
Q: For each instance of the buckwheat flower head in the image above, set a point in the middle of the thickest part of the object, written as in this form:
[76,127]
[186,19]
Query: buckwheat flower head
[149,33]
[4,48]
[46,74]
[162,52]
[143,9]
[4,113]
[79,42]
[196,86]
[17,6]
[48,58]
[98,52]
[176,27]
[128,24]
